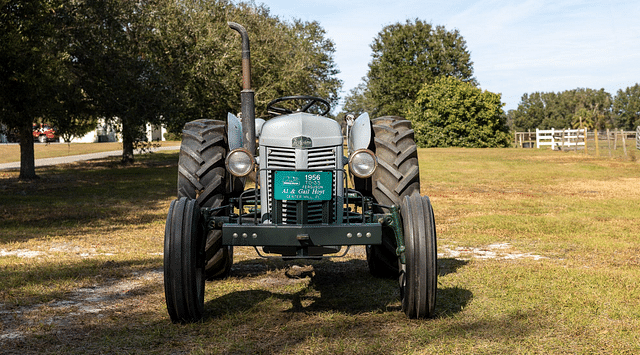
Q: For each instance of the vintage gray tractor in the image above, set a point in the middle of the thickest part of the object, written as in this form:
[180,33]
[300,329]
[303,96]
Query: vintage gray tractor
[309,200]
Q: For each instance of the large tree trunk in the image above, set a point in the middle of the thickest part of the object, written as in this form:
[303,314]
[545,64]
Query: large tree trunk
[129,135]
[27,160]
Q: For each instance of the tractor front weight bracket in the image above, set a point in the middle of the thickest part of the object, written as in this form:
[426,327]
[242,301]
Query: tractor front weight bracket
[394,221]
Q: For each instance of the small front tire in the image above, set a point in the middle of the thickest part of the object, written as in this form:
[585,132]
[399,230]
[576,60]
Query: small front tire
[184,275]
[418,276]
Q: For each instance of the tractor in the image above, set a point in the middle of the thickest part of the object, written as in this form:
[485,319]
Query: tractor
[287,188]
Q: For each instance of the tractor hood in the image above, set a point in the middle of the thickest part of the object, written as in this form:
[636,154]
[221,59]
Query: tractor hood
[301,130]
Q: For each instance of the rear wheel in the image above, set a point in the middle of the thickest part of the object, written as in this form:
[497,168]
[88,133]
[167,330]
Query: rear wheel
[418,277]
[397,176]
[184,262]
[202,176]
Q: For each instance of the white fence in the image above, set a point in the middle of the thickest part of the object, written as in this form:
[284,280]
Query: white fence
[561,138]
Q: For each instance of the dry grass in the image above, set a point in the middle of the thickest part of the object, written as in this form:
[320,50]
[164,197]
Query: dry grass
[539,253]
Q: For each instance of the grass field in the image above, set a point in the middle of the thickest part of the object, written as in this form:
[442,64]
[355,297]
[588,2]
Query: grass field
[539,252]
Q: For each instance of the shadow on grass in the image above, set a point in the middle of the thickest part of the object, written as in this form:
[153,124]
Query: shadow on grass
[339,286]
[331,300]
[448,266]
[89,194]
[333,286]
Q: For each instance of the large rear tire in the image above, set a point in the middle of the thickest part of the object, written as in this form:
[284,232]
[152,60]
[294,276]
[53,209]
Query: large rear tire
[396,177]
[419,277]
[184,262]
[202,176]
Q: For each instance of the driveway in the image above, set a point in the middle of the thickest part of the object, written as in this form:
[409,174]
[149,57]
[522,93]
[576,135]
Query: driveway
[74,158]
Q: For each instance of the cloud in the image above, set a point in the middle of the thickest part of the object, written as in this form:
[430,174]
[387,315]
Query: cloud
[517,46]
[551,46]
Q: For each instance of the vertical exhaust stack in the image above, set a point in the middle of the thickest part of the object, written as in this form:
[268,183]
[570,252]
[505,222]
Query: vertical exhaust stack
[247,104]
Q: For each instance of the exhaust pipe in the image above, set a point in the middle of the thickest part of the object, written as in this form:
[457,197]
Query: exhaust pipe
[247,104]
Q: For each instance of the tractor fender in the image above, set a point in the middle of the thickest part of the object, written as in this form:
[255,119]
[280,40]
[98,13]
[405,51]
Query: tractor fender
[259,123]
[360,133]
[234,130]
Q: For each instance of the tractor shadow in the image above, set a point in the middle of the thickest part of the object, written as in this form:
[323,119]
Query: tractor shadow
[343,286]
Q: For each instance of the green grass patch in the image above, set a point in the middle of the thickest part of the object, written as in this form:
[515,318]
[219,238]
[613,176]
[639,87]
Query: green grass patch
[539,253]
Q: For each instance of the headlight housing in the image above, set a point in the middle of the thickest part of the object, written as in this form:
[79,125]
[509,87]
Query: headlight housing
[240,162]
[363,163]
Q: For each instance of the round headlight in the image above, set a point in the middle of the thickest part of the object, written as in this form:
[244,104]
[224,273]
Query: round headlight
[240,162]
[363,163]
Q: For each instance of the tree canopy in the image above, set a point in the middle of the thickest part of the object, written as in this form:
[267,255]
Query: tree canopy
[405,57]
[35,79]
[359,100]
[580,107]
[111,43]
[149,61]
[453,113]
[626,107]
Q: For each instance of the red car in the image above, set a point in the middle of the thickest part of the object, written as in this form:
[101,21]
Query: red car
[43,133]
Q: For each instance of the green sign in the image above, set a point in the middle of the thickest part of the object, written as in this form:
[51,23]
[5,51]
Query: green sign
[302,185]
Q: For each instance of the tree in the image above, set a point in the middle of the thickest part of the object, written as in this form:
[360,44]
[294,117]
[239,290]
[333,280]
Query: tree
[571,108]
[626,107]
[201,55]
[407,56]
[453,113]
[530,112]
[358,101]
[34,71]
[591,105]
[110,46]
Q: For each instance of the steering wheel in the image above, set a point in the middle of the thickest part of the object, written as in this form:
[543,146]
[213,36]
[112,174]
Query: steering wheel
[312,101]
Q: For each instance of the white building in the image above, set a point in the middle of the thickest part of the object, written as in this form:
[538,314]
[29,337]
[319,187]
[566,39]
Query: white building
[3,138]
[106,132]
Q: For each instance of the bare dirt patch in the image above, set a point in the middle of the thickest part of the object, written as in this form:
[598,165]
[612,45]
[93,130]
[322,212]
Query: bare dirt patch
[500,251]
[18,321]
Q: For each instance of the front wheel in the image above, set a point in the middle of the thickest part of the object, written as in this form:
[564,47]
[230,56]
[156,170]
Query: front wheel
[418,276]
[184,260]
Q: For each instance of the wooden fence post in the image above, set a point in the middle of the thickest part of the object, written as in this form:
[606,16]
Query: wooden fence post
[585,141]
[597,147]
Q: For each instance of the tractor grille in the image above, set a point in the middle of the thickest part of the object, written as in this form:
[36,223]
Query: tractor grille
[316,159]
[281,158]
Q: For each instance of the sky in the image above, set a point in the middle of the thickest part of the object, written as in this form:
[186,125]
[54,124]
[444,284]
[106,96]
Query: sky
[517,46]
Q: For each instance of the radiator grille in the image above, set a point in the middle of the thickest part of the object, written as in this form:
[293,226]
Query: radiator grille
[285,159]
